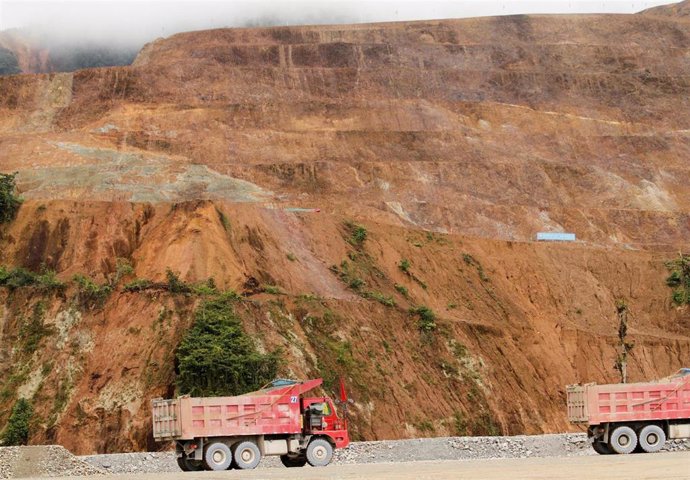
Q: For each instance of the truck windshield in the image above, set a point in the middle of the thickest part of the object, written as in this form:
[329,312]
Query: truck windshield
[321,408]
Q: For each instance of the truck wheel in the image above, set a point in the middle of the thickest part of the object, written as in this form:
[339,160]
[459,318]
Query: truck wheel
[217,456]
[652,438]
[319,453]
[601,448]
[247,455]
[289,461]
[187,465]
[623,440]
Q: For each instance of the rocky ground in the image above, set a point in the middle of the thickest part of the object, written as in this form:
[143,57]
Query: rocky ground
[449,448]
[43,461]
[54,461]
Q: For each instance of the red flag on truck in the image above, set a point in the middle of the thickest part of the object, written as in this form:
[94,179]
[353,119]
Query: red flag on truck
[343,394]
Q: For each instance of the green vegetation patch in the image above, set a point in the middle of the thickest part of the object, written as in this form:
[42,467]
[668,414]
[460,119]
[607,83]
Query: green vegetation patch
[91,294]
[273,289]
[381,298]
[20,277]
[174,285]
[357,234]
[33,330]
[426,318]
[679,279]
[9,201]
[217,357]
[138,285]
[17,430]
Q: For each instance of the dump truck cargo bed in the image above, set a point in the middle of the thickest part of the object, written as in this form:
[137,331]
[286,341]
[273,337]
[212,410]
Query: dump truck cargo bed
[666,399]
[187,418]
[266,412]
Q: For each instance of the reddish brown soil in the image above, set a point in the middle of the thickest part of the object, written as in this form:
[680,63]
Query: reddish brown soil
[453,142]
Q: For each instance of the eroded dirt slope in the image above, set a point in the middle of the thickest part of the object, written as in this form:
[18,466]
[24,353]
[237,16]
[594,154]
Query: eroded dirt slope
[452,142]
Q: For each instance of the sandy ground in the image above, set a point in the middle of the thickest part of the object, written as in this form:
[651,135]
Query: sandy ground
[640,467]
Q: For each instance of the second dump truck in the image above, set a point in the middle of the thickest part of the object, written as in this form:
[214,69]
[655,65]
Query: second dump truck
[628,417]
[221,433]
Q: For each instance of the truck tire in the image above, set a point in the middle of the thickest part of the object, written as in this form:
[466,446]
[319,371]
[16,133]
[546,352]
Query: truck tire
[217,456]
[652,438]
[319,452]
[601,448]
[187,465]
[247,455]
[290,462]
[623,440]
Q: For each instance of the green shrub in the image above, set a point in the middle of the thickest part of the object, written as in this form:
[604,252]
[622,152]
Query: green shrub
[17,278]
[674,279]
[402,289]
[273,290]
[459,424]
[175,285]
[404,265]
[680,296]
[484,424]
[358,234]
[205,288]
[138,285]
[90,293]
[381,298]
[679,279]
[426,426]
[33,330]
[426,318]
[291,257]
[217,357]
[20,277]
[9,202]
[17,430]
[123,268]
[48,280]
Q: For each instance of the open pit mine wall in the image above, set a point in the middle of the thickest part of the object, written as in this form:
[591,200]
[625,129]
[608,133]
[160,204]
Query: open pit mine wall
[515,321]
[458,141]
[497,127]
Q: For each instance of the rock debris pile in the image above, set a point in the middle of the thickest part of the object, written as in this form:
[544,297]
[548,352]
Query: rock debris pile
[42,461]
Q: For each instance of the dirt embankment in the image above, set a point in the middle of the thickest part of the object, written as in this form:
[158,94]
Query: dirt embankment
[452,142]
[515,322]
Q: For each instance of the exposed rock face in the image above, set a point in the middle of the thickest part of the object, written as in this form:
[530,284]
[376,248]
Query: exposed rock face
[677,10]
[453,142]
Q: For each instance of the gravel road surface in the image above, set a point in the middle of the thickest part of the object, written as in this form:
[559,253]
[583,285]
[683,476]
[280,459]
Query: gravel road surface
[55,461]
[669,466]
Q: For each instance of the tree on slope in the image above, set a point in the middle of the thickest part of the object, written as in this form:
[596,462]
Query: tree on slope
[17,430]
[9,201]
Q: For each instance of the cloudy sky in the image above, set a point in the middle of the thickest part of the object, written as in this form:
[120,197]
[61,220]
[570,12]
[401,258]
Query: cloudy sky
[139,20]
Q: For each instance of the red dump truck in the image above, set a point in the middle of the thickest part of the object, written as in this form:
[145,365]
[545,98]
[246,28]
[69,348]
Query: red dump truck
[221,433]
[627,417]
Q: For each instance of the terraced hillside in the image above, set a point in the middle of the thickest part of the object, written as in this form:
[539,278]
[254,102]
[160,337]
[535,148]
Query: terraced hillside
[245,155]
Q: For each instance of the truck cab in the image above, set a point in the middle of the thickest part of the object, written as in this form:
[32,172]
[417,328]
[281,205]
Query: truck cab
[321,418]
